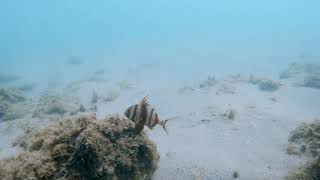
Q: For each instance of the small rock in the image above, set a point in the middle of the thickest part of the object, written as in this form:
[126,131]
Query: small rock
[265,84]
[230,114]
[235,175]
[209,82]
[312,81]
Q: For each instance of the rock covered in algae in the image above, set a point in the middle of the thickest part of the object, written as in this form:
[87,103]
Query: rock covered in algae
[84,148]
[265,84]
[312,81]
[300,69]
[305,74]
[55,103]
[13,104]
[310,171]
[306,140]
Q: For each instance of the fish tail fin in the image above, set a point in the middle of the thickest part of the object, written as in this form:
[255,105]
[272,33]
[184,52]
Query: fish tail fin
[163,124]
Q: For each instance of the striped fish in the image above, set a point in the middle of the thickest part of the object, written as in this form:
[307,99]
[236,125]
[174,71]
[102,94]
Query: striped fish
[144,115]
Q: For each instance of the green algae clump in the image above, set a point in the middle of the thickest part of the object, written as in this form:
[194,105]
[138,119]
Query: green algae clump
[84,148]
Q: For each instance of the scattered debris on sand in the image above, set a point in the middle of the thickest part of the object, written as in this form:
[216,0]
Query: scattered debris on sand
[192,170]
[84,148]
[13,104]
[100,72]
[229,114]
[226,88]
[235,78]
[305,140]
[273,99]
[265,84]
[54,103]
[186,89]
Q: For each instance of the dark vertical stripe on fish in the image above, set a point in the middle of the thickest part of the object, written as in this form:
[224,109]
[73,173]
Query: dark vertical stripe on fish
[144,113]
[135,109]
[148,115]
[156,120]
[150,118]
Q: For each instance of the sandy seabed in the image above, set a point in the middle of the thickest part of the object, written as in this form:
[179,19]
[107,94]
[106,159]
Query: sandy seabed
[203,141]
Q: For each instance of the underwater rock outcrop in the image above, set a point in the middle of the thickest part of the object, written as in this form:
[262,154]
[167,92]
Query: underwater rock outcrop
[265,84]
[312,81]
[13,104]
[310,171]
[303,74]
[300,69]
[54,103]
[84,148]
[305,140]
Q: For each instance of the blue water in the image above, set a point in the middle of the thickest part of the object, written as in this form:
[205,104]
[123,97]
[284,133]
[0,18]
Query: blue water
[218,37]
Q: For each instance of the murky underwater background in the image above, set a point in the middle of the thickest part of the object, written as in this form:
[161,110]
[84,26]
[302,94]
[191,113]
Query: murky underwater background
[193,58]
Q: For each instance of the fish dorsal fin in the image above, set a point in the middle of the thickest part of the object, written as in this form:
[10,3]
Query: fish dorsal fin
[144,101]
